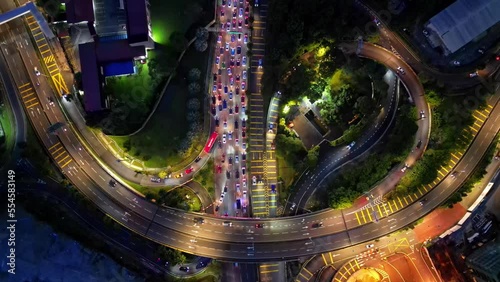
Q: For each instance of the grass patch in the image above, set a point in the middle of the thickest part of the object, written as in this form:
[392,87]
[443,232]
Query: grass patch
[286,175]
[206,177]
[176,15]
[7,133]
[157,145]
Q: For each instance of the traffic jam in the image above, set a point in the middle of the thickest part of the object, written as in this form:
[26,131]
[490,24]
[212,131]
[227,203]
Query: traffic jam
[228,108]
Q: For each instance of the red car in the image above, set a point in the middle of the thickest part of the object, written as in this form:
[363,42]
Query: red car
[189,170]
[243,100]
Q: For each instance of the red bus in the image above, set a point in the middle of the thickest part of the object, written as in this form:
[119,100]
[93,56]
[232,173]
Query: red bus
[211,142]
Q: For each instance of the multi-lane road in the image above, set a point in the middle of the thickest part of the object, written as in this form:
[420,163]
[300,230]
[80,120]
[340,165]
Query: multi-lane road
[276,239]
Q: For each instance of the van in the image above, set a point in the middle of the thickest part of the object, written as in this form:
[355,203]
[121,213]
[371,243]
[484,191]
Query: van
[238,204]
[227,223]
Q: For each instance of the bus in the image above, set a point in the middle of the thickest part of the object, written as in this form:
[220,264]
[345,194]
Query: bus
[211,142]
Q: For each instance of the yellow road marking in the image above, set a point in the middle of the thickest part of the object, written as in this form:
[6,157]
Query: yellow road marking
[411,199]
[37,33]
[56,157]
[406,201]
[39,39]
[415,195]
[386,211]
[473,128]
[61,160]
[269,271]
[32,105]
[32,99]
[304,276]
[357,217]
[442,174]
[369,214]
[357,264]
[27,95]
[45,51]
[331,257]
[323,256]
[444,168]
[477,118]
[26,90]
[401,203]
[24,85]
[53,146]
[57,150]
[389,203]
[489,106]
[342,275]
[380,211]
[364,219]
[308,271]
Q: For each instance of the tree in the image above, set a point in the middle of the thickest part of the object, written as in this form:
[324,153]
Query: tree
[312,157]
[200,45]
[173,257]
[202,34]
[192,116]
[178,41]
[194,88]
[364,105]
[194,74]
[193,104]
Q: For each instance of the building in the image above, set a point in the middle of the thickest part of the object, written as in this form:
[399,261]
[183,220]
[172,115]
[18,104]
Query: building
[462,22]
[120,34]
[485,263]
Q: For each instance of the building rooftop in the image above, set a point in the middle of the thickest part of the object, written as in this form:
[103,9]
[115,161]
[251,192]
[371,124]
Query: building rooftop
[110,18]
[137,21]
[90,77]
[463,21]
[79,11]
[118,50]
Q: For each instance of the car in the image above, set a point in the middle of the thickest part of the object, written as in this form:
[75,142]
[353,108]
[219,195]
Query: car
[256,3]
[219,72]
[419,144]
[219,39]
[238,50]
[236,159]
[422,202]
[221,199]
[219,169]
[230,160]
[243,157]
[236,108]
[425,32]
[224,104]
[244,61]
[235,13]
[238,78]
[234,24]
[293,206]
[227,46]
[233,51]
[222,13]
[246,21]
[273,188]
[112,183]
[197,159]
[245,38]
[317,225]
[405,167]
[231,81]
[260,63]
[244,123]
[233,38]
[370,246]
[228,174]
[259,225]
[217,208]
[243,85]
[349,147]
[221,50]
[238,62]
[422,114]
[244,74]
[480,51]
[224,139]
[199,220]
[219,97]
[228,27]
[240,14]
[240,24]
[244,182]
[189,170]
[244,146]
[223,65]
[239,36]
[225,91]
[223,158]
[217,60]
[271,127]
[231,63]
[456,63]
[184,268]
[237,90]
[401,70]
[243,100]
[229,72]
[225,190]
[243,170]
[213,99]
[230,135]
[51,100]
[155,179]
[213,110]
[454,174]
[220,144]
[237,187]
[243,133]
[244,192]
[215,78]
[225,124]
[220,107]
[229,3]
[230,110]
[235,124]
[214,88]
[473,74]
[37,72]
[227,224]
[254,180]
[223,3]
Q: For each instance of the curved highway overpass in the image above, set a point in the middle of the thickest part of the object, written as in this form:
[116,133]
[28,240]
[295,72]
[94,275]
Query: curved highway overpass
[283,238]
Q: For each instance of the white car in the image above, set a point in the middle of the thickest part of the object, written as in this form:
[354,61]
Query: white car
[349,147]
[244,74]
[370,246]
[401,70]
[37,72]
[230,135]
[254,180]
[293,206]
[224,138]
[237,187]
[244,184]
